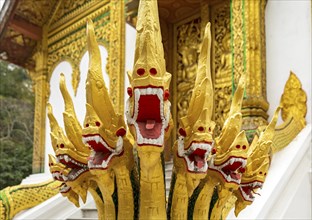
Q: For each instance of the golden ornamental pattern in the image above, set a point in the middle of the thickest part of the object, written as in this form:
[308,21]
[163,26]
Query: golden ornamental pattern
[222,64]
[188,41]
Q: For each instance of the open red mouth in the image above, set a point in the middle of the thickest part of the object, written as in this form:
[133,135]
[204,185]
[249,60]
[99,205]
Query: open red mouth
[148,119]
[248,190]
[101,153]
[150,116]
[231,169]
[196,156]
[77,168]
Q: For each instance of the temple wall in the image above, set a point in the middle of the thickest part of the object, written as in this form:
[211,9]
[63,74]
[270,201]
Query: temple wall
[288,47]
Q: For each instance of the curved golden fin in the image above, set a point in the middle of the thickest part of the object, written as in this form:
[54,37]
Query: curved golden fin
[54,127]
[293,100]
[233,123]
[96,91]
[149,49]
[264,145]
[72,127]
[201,103]
[268,134]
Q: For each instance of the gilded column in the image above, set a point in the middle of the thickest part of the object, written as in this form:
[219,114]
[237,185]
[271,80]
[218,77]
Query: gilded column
[40,88]
[40,85]
[248,55]
[116,58]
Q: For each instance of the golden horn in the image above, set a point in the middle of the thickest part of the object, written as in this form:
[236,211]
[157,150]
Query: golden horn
[72,127]
[97,94]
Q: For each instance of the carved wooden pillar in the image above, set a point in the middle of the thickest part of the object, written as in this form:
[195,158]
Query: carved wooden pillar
[117,57]
[40,87]
[248,56]
[39,78]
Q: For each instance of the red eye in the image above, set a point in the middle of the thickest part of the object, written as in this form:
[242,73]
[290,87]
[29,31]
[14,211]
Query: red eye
[62,146]
[153,71]
[200,128]
[238,146]
[140,71]
[209,129]
[244,147]
[98,124]
[213,151]
[182,132]
[260,172]
[121,132]
[166,95]
[87,125]
[129,91]
[51,164]
[57,146]
[265,174]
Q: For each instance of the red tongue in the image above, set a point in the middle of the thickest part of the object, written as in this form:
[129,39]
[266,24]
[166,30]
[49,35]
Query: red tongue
[199,162]
[235,175]
[150,124]
[98,158]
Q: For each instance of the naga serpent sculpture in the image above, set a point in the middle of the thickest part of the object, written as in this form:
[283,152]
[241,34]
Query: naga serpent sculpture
[123,168]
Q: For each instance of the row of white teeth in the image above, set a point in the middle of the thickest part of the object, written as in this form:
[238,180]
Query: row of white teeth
[64,188]
[68,159]
[165,120]
[230,162]
[58,175]
[98,139]
[73,176]
[190,164]
[246,196]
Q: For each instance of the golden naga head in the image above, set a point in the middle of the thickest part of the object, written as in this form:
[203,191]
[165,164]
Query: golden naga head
[66,152]
[258,163]
[104,131]
[196,129]
[231,147]
[57,169]
[71,153]
[148,106]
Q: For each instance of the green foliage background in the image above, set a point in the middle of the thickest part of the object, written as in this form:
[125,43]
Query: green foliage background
[16,124]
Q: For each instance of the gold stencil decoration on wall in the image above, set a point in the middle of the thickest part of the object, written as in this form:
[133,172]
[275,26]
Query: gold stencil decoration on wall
[222,60]
[188,42]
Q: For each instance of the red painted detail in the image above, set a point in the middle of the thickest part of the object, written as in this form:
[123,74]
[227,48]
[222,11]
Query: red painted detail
[213,151]
[98,124]
[209,129]
[242,170]
[153,71]
[182,132]
[200,128]
[130,91]
[166,95]
[87,125]
[244,147]
[140,71]
[121,132]
[238,146]
[62,146]
[260,172]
